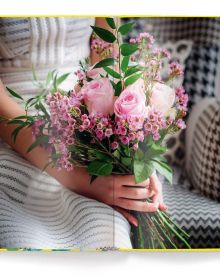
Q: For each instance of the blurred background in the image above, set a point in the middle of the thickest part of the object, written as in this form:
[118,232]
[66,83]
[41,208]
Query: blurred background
[194,153]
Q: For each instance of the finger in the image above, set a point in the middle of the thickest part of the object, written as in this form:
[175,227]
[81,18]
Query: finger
[134,193]
[162,206]
[129,180]
[137,205]
[155,184]
[127,215]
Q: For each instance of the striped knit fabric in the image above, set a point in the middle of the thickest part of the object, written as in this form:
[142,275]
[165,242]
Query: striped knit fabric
[35,210]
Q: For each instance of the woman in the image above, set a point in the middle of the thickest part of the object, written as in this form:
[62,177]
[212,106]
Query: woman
[36,211]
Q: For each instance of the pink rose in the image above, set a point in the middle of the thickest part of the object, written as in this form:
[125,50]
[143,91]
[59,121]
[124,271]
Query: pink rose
[94,73]
[131,102]
[162,97]
[98,95]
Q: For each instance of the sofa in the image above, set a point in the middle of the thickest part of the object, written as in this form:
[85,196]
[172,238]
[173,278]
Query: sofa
[193,199]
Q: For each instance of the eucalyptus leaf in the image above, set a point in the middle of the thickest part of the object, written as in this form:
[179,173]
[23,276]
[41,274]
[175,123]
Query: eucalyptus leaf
[132,70]
[126,28]
[132,79]
[118,88]
[111,22]
[104,34]
[105,62]
[128,49]
[112,72]
[124,63]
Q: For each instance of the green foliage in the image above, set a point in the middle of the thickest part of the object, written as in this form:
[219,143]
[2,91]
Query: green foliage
[118,88]
[124,63]
[62,79]
[100,168]
[132,70]
[111,22]
[132,79]
[126,28]
[164,169]
[13,93]
[39,141]
[105,62]
[112,72]
[128,49]
[142,170]
[104,34]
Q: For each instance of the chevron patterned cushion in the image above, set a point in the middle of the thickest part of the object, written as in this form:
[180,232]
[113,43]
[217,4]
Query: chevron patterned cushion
[203,148]
[197,215]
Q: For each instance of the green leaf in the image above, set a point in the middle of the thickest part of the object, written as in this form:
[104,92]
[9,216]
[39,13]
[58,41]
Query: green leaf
[103,157]
[128,49]
[16,131]
[105,62]
[49,78]
[100,168]
[116,154]
[34,73]
[111,22]
[132,70]
[93,177]
[17,122]
[139,155]
[104,34]
[124,63]
[142,170]
[13,93]
[39,141]
[126,28]
[154,150]
[132,79]
[126,161]
[61,79]
[118,88]
[164,169]
[112,72]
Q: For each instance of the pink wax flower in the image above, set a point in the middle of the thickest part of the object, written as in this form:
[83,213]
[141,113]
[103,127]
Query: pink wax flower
[181,124]
[99,96]
[131,102]
[176,69]
[80,74]
[114,145]
[162,97]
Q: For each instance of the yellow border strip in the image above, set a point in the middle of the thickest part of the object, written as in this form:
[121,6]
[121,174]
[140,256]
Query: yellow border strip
[121,16]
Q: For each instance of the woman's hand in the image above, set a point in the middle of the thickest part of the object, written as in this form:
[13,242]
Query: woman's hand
[118,191]
[155,190]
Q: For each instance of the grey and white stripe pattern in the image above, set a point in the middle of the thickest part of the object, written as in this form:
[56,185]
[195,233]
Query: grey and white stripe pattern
[35,210]
[204,159]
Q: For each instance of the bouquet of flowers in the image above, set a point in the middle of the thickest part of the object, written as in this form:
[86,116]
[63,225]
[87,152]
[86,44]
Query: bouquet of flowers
[115,119]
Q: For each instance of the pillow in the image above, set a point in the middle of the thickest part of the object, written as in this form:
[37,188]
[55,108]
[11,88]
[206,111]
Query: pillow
[203,147]
[180,51]
[200,79]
